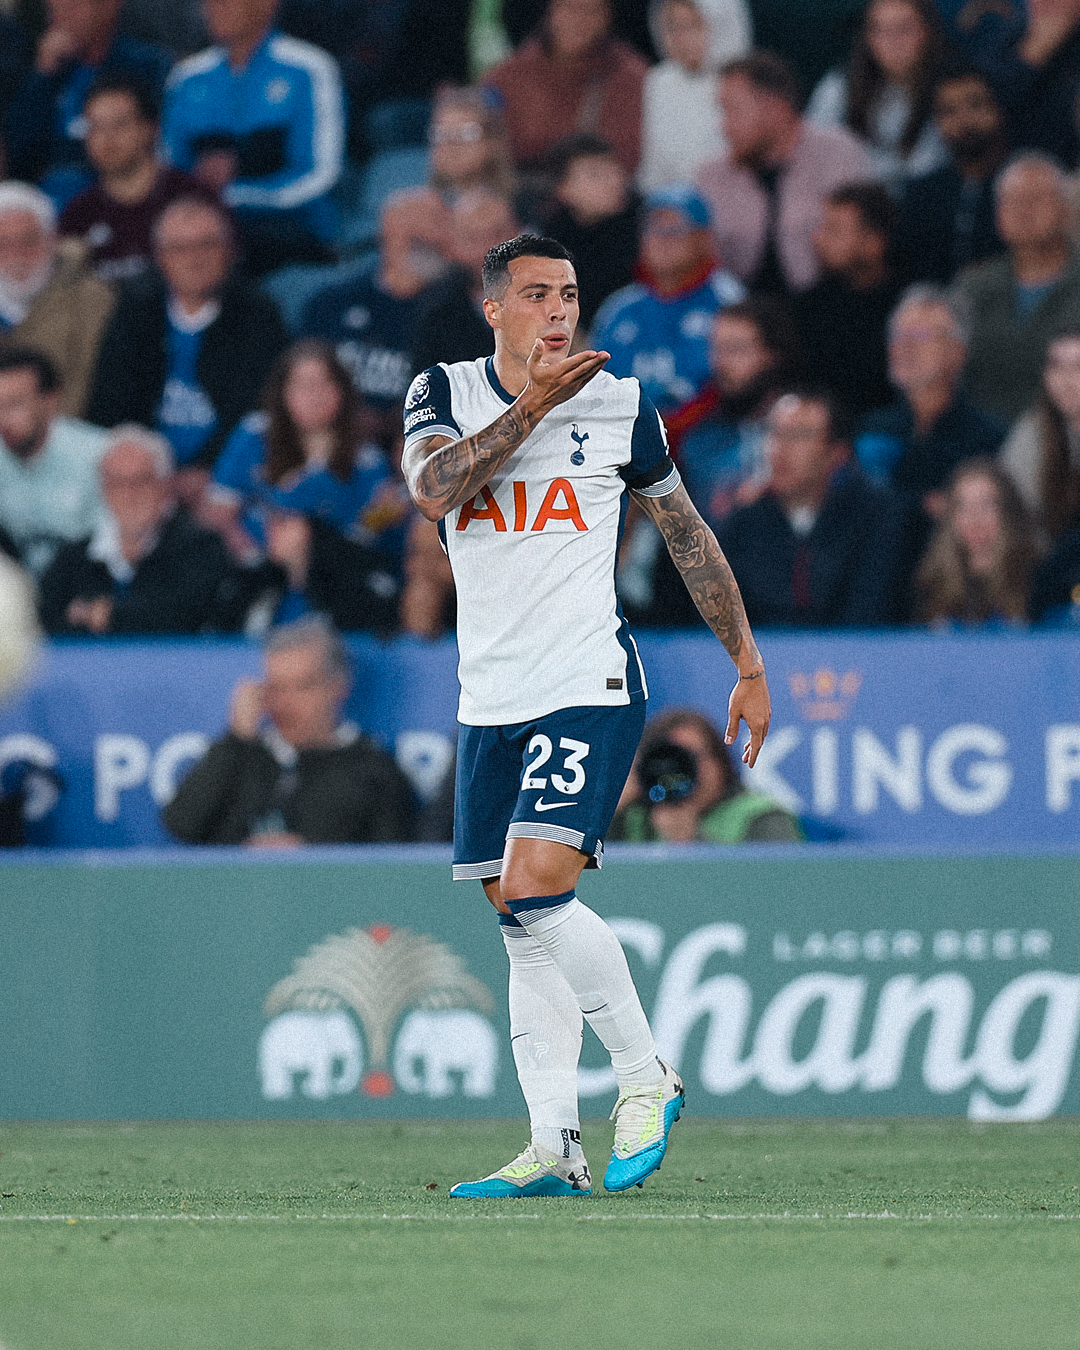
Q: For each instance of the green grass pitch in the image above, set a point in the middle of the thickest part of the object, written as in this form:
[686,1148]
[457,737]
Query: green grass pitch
[808,1235]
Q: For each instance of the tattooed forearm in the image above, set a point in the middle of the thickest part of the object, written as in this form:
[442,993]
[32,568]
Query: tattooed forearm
[708,577]
[442,474]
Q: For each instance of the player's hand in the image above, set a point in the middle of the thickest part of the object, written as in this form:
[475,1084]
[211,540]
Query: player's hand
[749,703]
[246,709]
[553,382]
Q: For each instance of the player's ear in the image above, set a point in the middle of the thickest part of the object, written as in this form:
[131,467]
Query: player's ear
[493,312]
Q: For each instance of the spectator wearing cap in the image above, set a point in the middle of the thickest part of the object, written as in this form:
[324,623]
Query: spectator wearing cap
[842,317]
[572,75]
[49,490]
[657,329]
[114,219]
[946,217]
[147,568]
[191,342]
[820,547]
[49,299]
[766,195]
[44,127]
[596,218]
[260,118]
[291,770]
[1026,297]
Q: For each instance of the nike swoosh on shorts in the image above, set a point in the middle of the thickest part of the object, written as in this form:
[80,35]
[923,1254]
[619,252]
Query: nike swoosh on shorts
[551,806]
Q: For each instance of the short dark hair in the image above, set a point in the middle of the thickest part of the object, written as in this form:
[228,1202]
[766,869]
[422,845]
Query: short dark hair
[839,420]
[144,98]
[769,73]
[29,358]
[496,271]
[875,206]
[776,327]
[576,146]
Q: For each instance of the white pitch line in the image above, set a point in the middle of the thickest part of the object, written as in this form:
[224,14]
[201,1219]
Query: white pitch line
[517,1218]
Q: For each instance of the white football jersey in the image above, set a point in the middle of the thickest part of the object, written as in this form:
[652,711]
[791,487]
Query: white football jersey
[533,554]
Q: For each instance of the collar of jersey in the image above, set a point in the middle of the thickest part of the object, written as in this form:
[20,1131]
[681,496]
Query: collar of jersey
[495,382]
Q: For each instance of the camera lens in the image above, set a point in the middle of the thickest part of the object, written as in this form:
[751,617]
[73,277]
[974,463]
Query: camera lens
[668,773]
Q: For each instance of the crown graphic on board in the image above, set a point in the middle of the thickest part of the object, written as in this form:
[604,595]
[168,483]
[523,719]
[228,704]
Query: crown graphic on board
[826,695]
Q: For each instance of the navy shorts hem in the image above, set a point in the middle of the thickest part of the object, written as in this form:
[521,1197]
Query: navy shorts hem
[574,761]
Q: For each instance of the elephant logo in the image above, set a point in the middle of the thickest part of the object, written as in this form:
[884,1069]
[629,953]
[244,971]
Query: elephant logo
[384,976]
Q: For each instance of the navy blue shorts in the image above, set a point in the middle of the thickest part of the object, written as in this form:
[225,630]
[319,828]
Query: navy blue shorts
[558,777]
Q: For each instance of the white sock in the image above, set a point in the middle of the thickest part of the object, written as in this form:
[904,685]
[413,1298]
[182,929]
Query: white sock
[545,1035]
[591,959]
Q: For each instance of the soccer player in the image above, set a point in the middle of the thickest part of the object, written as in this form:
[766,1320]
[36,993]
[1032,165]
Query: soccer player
[526,460]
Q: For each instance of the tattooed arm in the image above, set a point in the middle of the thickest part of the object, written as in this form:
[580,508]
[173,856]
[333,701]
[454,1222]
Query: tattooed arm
[442,473]
[714,590]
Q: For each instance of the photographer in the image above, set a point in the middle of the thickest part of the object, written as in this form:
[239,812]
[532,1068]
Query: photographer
[684,789]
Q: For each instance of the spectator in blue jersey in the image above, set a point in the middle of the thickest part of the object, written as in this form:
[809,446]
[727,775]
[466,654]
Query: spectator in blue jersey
[820,547]
[658,329]
[304,452]
[371,321]
[43,130]
[260,118]
[190,344]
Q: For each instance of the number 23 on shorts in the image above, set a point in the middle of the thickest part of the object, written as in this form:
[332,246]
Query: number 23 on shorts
[541,748]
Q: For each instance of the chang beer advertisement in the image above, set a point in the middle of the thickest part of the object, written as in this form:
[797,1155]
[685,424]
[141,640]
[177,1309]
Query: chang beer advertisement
[776,985]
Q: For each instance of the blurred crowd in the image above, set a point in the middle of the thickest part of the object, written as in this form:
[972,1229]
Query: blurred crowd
[840,254]
[231,232]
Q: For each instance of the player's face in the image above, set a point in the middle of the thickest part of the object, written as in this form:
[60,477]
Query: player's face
[312,397]
[302,698]
[1062,377]
[540,302]
[118,138]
